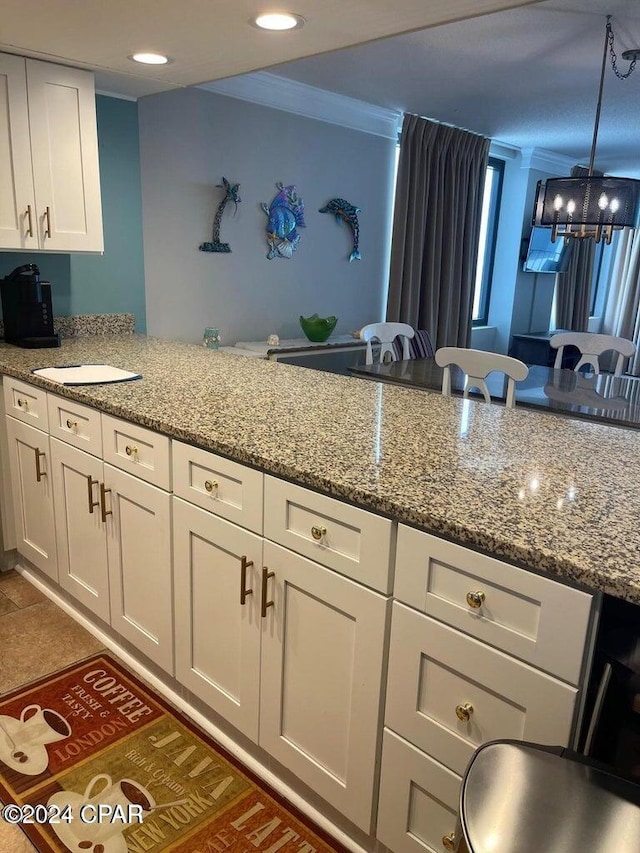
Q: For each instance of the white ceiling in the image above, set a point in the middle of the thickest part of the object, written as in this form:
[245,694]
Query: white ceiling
[524,72]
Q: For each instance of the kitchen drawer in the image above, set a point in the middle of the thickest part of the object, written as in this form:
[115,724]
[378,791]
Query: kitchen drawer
[342,537]
[435,671]
[75,424]
[418,800]
[26,402]
[534,618]
[137,450]
[218,485]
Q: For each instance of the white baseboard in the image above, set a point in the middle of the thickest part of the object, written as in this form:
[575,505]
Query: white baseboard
[217,734]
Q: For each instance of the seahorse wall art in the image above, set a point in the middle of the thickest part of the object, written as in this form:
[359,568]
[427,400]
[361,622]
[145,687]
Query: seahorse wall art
[346,212]
[285,215]
[230,194]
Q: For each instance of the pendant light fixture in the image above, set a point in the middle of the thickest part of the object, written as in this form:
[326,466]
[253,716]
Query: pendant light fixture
[590,206]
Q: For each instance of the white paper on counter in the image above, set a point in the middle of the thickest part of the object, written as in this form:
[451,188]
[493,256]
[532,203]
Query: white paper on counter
[85,374]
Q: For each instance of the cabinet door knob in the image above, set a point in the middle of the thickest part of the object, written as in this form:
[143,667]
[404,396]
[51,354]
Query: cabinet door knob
[131,450]
[475,599]
[210,485]
[449,841]
[464,712]
[72,424]
[30,221]
[90,484]
[266,574]
[244,592]
[22,404]
[39,472]
[104,512]
[318,532]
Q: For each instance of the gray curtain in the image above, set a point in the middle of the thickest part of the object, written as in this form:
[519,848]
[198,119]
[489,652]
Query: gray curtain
[573,287]
[436,226]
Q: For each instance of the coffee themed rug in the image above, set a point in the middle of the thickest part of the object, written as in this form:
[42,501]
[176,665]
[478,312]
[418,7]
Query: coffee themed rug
[92,761]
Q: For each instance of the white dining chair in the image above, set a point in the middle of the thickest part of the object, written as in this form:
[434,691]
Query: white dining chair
[385,333]
[591,347]
[477,365]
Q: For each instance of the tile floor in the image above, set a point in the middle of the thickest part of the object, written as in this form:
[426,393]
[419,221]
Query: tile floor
[36,638]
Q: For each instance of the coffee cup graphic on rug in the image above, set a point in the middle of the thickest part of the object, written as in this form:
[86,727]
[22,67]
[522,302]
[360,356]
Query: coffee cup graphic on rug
[23,740]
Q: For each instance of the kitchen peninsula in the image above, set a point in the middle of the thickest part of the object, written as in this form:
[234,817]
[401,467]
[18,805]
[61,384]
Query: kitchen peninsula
[479,533]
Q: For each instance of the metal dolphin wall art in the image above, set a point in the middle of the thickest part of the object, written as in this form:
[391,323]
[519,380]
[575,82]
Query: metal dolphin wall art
[346,212]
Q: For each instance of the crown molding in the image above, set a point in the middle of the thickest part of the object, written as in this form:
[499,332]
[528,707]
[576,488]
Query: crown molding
[503,150]
[115,95]
[280,93]
[546,161]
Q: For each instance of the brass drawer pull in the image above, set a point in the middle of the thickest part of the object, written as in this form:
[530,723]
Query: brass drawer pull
[39,472]
[104,512]
[211,485]
[449,841]
[318,532]
[72,424]
[131,450]
[266,574]
[30,221]
[90,484]
[22,404]
[244,592]
[47,216]
[475,599]
[464,712]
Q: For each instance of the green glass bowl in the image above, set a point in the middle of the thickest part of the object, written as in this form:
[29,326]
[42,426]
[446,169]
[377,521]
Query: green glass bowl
[318,329]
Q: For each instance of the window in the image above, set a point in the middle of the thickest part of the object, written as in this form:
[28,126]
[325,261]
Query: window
[487,244]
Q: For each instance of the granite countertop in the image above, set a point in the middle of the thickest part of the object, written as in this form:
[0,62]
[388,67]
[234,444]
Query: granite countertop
[558,495]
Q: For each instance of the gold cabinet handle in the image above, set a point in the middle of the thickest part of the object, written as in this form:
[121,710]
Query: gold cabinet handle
[244,592]
[30,221]
[104,512]
[131,450]
[39,472]
[90,484]
[318,532]
[22,404]
[72,424]
[464,712]
[449,841]
[266,574]
[475,599]
[47,216]
[211,485]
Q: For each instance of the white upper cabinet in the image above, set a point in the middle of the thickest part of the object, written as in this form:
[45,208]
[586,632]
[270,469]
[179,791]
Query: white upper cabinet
[49,175]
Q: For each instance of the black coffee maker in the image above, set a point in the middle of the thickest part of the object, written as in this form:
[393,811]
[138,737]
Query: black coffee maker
[26,309]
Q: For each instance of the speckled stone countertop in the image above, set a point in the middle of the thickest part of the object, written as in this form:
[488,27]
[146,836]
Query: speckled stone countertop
[558,495]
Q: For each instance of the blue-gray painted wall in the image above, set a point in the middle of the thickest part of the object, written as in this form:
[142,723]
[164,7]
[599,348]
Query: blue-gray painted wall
[111,283]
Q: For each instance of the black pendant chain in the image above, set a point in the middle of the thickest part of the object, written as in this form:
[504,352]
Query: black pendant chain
[614,59]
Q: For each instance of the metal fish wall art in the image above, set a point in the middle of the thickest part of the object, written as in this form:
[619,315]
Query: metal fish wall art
[285,216]
[346,212]
[230,194]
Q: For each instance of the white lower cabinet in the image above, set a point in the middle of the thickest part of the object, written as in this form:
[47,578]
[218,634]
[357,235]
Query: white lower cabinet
[30,465]
[217,570]
[114,548]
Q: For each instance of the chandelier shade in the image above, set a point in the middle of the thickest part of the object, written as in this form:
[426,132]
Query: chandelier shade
[590,205]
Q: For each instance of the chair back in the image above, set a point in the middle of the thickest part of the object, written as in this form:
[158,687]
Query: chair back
[477,365]
[385,334]
[591,347]
[420,345]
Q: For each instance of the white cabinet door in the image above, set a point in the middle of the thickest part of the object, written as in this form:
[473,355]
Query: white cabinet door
[322,656]
[64,149]
[139,551]
[17,200]
[217,628]
[30,463]
[80,530]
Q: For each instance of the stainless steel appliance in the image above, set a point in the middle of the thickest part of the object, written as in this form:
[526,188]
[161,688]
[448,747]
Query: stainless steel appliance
[26,309]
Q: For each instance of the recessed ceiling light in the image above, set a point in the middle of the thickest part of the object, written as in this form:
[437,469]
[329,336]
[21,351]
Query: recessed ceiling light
[278,21]
[150,58]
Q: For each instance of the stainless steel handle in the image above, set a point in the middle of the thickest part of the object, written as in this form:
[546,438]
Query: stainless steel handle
[47,216]
[104,512]
[318,532]
[266,574]
[39,472]
[244,592]
[30,221]
[475,599]
[90,484]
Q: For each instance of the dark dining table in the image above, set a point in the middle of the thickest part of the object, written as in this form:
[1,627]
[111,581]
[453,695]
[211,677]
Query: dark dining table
[603,397]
